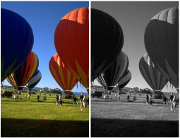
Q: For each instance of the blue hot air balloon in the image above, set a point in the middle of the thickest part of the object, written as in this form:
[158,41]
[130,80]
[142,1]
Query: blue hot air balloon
[16,41]
[107,40]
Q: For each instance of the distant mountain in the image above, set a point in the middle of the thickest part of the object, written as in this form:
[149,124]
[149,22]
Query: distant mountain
[37,88]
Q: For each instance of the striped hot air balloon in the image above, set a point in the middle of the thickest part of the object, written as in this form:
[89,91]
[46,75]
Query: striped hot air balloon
[72,43]
[162,43]
[151,74]
[124,80]
[61,74]
[22,75]
[111,75]
[34,80]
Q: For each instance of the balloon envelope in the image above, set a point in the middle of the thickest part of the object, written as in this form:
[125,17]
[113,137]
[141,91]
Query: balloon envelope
[112,75]
[151,74]
[16,41]
[61,74]
[72,43]
[106,41]
[22,75]
[124,80]
[162,43]
[34,80]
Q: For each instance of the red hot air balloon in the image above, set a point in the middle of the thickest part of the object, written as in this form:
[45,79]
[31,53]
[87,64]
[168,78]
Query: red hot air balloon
[22,75]
[112,75]
[162,43]
[151,74]
[72,43]
[107,40]
[61,74]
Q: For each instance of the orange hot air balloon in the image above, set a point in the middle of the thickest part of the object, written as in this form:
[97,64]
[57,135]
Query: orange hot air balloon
[72,43]
[61,74]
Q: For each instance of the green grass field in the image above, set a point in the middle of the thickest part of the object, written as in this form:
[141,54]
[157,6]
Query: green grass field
[112,118]
[24,118]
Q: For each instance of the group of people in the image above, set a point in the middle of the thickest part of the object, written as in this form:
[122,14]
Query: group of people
[59,99]
[149,99]
[117,96]
[27,96]
[83,101]
[172,100]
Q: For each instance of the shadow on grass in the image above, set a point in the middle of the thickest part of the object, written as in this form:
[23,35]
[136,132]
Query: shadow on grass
[43,128]
[133,128]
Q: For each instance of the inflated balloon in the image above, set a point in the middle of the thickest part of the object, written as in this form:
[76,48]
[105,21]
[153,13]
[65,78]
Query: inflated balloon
[112,75]
[16,41]
[72,43]
[34,80]
[124,80]
[106,41]
[101,80]
[162,43]
[22,75]
[61,74]
[151,74]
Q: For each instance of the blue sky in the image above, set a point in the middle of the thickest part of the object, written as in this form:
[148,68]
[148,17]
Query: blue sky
[43,18]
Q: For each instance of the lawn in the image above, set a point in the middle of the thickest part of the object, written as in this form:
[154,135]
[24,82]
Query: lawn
[24,118]
[113,118]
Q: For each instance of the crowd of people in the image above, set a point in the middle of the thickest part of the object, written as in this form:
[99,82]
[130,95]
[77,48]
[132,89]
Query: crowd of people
[83,101]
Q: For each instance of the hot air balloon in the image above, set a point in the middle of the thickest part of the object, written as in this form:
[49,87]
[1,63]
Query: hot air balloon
[112,75]
[61,74]
[101,80]
[151,74]
[22,75]
[124,80]
[34,80]
[72,43]
[162,43]
[106,41]
[16,41]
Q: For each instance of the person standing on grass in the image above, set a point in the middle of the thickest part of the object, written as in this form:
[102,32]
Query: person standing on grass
[128,98]
[119,96]
[44,98]
[81,101]
[38,97]
[14,96]
[173,103]
[147,98]
[150,99]
[165,99]
[171,100]
[57,99]
[60,99]
[84,103]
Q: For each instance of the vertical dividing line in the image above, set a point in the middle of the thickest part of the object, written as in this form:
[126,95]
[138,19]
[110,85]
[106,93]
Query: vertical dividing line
[89,69]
